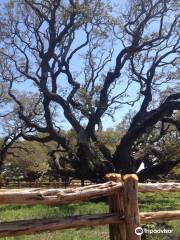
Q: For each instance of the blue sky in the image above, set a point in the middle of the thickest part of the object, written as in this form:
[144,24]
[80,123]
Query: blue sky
[76,62]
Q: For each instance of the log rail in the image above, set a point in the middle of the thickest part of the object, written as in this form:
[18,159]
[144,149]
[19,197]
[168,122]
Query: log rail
[124,214]
[63,196]
[58,196]
[42,225]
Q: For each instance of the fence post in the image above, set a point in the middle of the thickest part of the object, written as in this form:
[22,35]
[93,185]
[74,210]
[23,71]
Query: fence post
[116,231]
[131,210]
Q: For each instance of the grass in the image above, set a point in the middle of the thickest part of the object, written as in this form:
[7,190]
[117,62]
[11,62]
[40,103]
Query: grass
[147,202]
[12,212]
[160,202]
[17,212]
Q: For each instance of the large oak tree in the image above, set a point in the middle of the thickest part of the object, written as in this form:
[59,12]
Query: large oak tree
[79,61]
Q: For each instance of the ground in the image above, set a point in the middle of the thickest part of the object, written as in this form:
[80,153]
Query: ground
[147,202]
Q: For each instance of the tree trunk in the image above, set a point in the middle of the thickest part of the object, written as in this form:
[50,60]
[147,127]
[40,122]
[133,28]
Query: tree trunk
[91,163]
[122,158]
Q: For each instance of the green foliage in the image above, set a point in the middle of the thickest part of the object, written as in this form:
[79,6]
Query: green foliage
[110,138]
[25,158]
[171,149]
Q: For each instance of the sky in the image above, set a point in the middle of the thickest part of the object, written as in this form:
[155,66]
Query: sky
[107,121]
[119,114]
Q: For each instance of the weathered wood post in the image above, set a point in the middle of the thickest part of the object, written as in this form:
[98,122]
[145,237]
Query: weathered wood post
[131,210]
[116,231]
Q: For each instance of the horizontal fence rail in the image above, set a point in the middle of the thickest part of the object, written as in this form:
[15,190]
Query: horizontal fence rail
[41,225]
[58,196]
[160,216]
[159,187]
[62,196]
[33,226]
[124,214]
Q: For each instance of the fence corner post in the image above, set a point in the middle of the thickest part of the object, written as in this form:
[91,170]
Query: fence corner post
[131,209]
[116,231]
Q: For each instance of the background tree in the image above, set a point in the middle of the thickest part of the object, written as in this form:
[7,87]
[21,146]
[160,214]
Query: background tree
[10,124]
[25,161]
[117,50]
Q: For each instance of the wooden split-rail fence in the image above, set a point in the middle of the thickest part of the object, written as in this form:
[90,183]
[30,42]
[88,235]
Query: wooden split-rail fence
[123,218]
[42,184]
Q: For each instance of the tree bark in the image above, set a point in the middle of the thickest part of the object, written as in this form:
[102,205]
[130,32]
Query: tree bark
[122,159]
